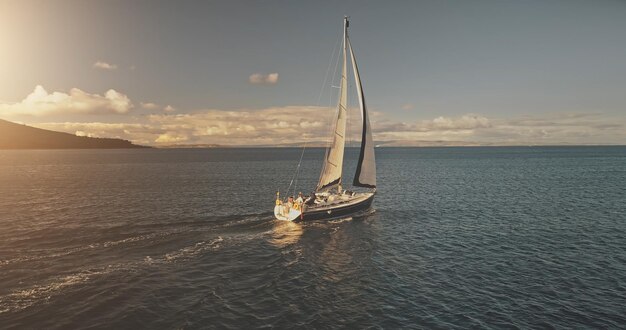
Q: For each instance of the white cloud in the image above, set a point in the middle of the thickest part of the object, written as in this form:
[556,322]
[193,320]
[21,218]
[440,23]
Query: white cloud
[169,108]
[104,65]
[41,103]
[267,79]
[149,105]
[171,138]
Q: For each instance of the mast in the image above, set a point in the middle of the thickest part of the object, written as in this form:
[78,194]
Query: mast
[333,164]
[365,175]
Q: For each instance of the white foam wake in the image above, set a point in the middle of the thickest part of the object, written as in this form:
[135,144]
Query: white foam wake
[41,293]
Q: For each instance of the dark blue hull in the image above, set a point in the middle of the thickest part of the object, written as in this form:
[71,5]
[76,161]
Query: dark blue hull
[337,212]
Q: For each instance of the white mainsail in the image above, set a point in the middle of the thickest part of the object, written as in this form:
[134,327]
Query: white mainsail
[333,164]
[365,175]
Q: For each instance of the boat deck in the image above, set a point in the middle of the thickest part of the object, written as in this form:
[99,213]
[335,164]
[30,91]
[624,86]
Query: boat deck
[341,200]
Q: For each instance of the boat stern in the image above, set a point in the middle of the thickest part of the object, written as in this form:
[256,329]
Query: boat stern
[285,213]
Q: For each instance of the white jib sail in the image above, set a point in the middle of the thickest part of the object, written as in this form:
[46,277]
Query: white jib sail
[333,164]
[365,175]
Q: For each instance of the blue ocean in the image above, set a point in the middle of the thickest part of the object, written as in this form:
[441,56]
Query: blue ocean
[468,237]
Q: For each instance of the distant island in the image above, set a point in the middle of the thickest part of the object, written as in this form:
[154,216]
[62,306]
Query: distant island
[17,136]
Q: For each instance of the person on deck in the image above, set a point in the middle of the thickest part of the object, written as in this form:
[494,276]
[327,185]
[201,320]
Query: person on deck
[287,206]
[311,199]
[300,198]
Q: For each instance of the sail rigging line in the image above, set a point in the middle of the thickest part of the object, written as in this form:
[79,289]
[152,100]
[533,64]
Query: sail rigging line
[319,99]
[294,177]
[330,93]
[330,63]
[333,163]
[332,78]
[349,128]
[330,100]
[295,186]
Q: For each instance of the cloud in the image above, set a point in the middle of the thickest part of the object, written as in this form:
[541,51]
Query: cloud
[292,124]
[41,103]
[263,79]
[171,138]
[469,121]
[299,124]
[104,66]
[247,127]
[169,108]
[149,106]
[562,128]
[472,129]
[407,106]
[441,125]
[153,106]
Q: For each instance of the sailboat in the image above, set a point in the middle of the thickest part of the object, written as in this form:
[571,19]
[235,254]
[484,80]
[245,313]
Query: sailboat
[330,199]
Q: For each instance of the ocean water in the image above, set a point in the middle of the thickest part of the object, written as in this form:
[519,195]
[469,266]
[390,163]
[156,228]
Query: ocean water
[185,239]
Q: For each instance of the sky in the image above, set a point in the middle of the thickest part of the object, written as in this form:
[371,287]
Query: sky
[481,72]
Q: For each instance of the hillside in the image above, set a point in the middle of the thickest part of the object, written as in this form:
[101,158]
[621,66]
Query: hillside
[16,136]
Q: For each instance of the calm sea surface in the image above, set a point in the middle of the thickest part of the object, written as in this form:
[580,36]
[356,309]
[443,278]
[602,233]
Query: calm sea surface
[185,239]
